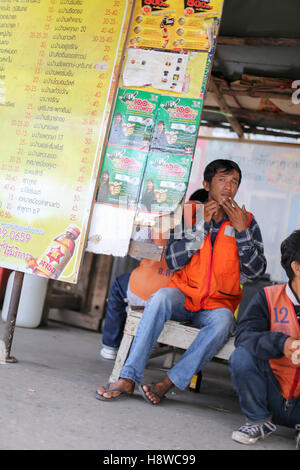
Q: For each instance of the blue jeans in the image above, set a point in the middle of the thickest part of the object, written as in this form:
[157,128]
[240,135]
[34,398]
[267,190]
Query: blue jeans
[259,391]
[168,304]
[116,312]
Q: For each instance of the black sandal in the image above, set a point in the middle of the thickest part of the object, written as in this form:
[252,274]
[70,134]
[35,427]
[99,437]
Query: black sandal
[151,389]
[123,393]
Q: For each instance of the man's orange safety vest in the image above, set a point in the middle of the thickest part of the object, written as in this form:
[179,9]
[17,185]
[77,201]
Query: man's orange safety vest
[283,319]
[212,277]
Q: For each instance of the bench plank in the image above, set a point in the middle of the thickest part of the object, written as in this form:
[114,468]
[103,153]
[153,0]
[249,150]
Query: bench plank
[174,334]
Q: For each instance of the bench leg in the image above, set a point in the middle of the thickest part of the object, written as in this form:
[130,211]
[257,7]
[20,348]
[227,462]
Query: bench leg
[170,360]
[121,357]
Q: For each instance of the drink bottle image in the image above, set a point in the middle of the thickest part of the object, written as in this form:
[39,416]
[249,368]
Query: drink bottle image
[58,254]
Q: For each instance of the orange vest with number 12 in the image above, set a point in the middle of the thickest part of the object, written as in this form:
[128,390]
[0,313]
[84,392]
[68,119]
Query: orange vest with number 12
[283,319]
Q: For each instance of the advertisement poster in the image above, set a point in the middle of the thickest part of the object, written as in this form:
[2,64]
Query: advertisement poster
[165,183]
[153,71]
[133,119]
[175,24]
[159,69]
[169,54]
[121,176]
[57,69]
[177,124]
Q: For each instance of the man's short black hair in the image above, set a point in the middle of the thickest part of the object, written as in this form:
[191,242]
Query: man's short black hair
[290,251]
[227,166]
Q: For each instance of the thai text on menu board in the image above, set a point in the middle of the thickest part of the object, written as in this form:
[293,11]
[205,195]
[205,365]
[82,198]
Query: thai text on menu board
[58,66]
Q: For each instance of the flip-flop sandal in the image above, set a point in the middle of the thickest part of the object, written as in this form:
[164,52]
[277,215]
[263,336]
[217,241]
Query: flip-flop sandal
[151,389]
[123,393]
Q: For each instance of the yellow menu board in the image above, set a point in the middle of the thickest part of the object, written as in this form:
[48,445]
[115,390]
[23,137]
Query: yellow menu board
[58,65]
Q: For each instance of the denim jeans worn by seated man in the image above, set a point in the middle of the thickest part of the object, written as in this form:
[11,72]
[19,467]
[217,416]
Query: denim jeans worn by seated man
[259,391]
[168,304]
[115,316]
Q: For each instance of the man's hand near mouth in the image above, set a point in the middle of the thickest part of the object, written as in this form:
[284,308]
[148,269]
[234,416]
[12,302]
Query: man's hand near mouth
[238,216]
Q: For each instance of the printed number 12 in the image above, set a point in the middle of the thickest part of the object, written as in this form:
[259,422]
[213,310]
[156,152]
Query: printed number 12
[282,311]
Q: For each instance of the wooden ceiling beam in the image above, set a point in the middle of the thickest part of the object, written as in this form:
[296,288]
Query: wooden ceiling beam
[252,90]
[251,130]
[251,41]
[255,93]
[224,107]
[253,114]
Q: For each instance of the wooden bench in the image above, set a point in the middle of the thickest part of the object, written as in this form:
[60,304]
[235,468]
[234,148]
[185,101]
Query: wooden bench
[174,335]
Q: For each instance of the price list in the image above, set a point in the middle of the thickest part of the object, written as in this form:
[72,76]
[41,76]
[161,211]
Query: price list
[58,64]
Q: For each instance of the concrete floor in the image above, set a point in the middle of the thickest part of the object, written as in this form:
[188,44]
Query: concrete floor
[47,402]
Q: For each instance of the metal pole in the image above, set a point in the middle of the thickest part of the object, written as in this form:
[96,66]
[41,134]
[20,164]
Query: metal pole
[12,315]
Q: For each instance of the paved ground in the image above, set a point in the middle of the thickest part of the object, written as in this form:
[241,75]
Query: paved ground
[47,402]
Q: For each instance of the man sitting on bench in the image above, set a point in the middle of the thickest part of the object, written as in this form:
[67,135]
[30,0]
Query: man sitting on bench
[135,288]
[209,258]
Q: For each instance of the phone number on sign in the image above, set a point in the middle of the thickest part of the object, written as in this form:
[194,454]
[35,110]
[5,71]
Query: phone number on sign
[15,235]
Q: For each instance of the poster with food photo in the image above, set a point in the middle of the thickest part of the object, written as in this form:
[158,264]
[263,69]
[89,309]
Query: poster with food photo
[197,24]
[175,24]
[159,69]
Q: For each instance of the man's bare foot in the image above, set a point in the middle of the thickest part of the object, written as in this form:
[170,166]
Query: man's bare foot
[161,388]
[125,384]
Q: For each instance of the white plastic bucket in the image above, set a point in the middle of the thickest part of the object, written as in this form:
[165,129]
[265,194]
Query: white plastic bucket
[31,302]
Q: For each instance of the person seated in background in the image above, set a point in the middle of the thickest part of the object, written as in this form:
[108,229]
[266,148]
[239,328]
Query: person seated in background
[208,260]
[265,366]
[134,289]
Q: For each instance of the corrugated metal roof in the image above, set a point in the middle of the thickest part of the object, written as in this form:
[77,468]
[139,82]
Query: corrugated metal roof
[269,19]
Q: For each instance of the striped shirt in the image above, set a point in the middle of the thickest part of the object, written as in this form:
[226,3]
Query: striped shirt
[183,243]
